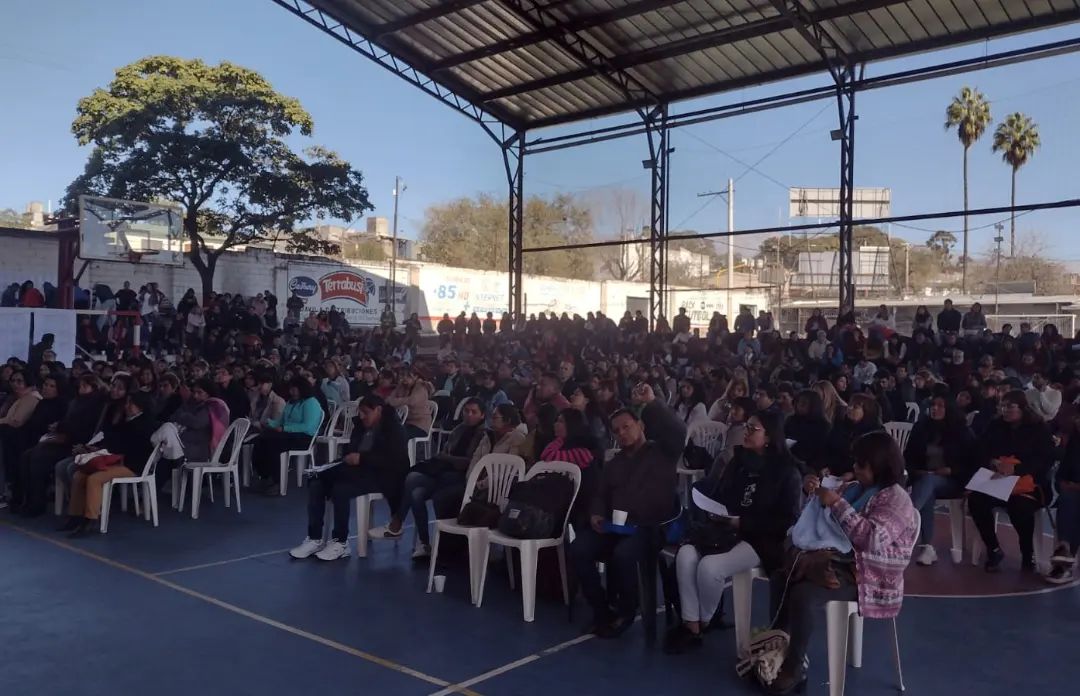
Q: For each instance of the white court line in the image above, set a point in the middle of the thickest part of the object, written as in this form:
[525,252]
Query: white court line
[214,564]
[528,659]
[1020,593]
[265,620]
[456,688]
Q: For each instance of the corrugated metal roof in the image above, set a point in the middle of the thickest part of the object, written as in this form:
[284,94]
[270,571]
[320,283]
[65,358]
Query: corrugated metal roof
[532,64]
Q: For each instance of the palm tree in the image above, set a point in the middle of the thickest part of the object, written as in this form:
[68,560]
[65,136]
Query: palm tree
[969,113]
[1017,139]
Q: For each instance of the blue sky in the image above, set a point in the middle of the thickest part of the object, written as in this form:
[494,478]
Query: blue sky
[56,51]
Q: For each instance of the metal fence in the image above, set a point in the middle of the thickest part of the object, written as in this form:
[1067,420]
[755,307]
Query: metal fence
[1065,323]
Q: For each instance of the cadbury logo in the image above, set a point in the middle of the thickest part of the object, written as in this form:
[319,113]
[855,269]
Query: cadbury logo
[346,285]
[303,286]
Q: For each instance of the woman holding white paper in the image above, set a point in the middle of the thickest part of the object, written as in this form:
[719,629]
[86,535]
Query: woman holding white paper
[1017,443]
[760,489]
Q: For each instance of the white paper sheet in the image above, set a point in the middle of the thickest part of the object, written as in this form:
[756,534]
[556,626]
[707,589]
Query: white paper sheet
[707,504]
[832,482]
[319,468]
[984,482]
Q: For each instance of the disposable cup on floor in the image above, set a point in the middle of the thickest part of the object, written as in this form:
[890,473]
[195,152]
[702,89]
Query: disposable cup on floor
[618,517]
[440,583]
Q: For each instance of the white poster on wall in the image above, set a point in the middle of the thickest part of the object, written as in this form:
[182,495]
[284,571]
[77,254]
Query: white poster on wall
[15,338]
[700,305]
[352,291]
[61,324]
[454,290]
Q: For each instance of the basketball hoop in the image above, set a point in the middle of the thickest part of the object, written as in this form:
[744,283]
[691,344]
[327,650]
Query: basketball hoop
[137,256]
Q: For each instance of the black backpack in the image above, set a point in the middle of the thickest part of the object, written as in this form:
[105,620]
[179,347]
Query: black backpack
[536,507]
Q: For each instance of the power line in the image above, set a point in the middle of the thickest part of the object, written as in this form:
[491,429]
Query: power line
[785,142]
[733,158]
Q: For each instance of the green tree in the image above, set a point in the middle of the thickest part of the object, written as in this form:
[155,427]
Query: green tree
[969,114]
[364,249]
[472,233]
[1017,139]
[11,218]
[212,139]
[941,244]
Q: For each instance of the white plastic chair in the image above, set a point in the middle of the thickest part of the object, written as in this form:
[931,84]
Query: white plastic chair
[441,433]
[426,439]
[245,458]
[687,475]
[529,549]
[402,413]
[956,527]
[844,629]
[913,411]
[742,593]
[144,483]
[331,438]
[502,470]
[229,469]
[900,431]
[363,521]
[708,434]
[1044,539]
[308,454]
[970,418]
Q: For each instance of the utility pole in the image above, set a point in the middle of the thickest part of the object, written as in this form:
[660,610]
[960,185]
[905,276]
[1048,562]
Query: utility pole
[729,195]
[997,273]
[399,188]
[730,247]
[907,268]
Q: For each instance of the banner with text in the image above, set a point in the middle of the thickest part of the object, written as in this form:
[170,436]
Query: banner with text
[352,291]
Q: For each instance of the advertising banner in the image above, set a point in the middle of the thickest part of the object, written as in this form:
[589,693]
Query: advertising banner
[352,291]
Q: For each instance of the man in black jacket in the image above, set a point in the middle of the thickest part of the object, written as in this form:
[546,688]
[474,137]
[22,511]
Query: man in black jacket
[130,440]
[948,321]
[636,490]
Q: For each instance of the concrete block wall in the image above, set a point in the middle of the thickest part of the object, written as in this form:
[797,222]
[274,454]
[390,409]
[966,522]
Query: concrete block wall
[33,256]
[27,257]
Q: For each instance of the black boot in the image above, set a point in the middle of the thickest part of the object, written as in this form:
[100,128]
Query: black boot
[83,528]
[70,523]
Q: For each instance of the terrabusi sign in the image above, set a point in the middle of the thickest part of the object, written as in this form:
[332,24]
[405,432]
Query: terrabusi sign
[353,292]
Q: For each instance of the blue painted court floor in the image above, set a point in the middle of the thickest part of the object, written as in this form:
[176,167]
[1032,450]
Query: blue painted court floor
[216,606]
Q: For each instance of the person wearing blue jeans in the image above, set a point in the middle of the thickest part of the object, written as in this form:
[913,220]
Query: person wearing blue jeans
[443,471]
[939,459]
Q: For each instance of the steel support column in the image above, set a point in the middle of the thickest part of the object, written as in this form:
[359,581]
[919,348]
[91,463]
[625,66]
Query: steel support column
[513,150]
[845,101]
[657,133]
[67,236]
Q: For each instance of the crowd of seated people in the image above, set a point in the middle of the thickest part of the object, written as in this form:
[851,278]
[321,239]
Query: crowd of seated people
[613,398]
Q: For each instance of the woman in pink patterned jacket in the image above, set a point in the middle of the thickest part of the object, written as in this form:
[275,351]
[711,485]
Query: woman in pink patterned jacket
[881,523]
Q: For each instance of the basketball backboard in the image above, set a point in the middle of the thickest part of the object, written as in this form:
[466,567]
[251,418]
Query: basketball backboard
[114,230]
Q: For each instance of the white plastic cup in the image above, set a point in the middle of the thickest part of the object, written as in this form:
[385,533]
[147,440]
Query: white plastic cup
[618,517]
[440,583]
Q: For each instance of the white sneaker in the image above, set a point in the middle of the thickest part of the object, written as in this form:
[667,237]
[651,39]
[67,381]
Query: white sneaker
[927,555]
[421,551]
[1062,555]
[333,551]
[308,548]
